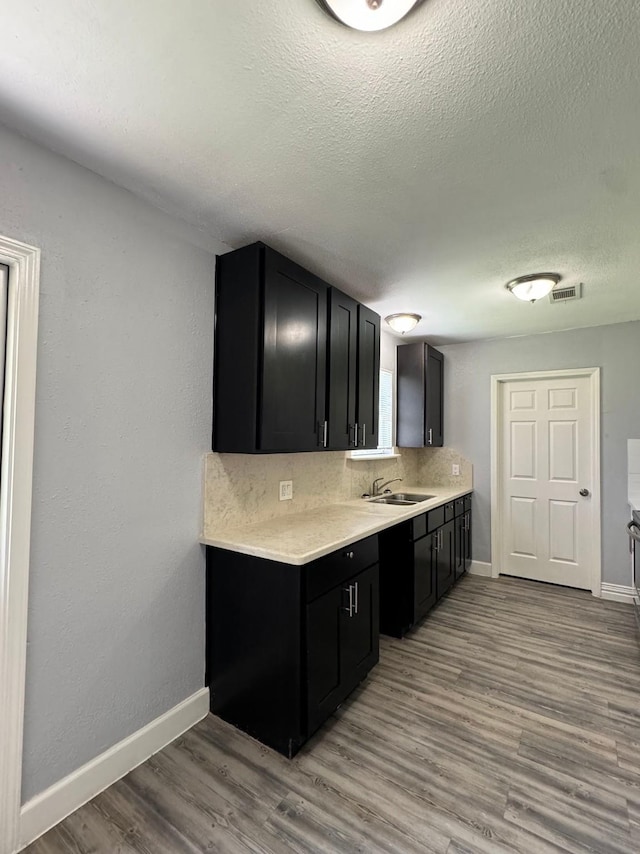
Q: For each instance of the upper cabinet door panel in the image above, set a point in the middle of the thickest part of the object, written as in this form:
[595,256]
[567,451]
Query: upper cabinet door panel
[434,394]
[293,378]
[368,377]
[342,371]
[420,396]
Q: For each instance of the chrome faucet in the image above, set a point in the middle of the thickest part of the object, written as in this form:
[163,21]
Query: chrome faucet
[376,488]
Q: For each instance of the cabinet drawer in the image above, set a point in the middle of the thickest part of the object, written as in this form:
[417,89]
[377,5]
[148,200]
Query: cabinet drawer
[418,527]
[449,511]
[467,502]
[435,519]
[459,506]
[329,571]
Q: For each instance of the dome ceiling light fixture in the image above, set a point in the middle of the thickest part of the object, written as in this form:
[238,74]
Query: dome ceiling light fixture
[403,322]
[533,287]
[368,15]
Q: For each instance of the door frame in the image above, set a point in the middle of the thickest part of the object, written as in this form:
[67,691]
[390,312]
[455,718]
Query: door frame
[593,374]
[18,416]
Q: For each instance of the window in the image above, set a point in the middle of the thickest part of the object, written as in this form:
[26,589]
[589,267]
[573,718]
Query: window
[385,419]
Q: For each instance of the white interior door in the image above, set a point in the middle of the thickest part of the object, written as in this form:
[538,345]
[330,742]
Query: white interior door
[547,505]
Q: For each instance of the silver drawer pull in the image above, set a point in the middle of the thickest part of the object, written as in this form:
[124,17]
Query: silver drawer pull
[349,609]
[349,555]
[356,597]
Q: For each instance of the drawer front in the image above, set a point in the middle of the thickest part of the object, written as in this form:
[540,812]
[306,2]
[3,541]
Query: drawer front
[467,502]
[329,571]
[419,527]
[459,506]
[435,519]
[449,511]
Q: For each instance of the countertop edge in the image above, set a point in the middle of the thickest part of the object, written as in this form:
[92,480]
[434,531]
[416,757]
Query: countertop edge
[400,514]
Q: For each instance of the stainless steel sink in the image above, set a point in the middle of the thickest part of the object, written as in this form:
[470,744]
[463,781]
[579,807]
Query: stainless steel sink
[413,497]
[391,499]
[401,498]
[410,496]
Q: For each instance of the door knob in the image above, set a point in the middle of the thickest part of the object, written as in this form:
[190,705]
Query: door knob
[584,493]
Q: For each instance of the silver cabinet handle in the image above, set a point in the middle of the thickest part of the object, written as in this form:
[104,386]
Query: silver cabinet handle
[356,596]
[437,542]
[355,435]
[348,554]
[325,428]
[364,435]
[430,441]
[349,610]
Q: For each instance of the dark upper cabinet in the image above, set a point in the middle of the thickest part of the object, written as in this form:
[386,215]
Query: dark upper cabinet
[368,377]
[270,354]
[342,371]
[353,374]
[420,383]
[296,365]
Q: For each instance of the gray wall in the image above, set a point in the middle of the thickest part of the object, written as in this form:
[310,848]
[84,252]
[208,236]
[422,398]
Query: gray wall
[616,350]
[116,614]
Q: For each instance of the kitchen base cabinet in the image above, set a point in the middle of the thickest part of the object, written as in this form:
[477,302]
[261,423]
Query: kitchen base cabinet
[342,643]
[287,644]
[419,562]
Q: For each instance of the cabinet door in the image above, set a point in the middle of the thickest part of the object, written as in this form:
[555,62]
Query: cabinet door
[467,540]
[460,546]
[342,375]
[324,666]
[368,377]
[360,628]
[424,569]
[342,643]
[292,399]
[433,424]
[446,557]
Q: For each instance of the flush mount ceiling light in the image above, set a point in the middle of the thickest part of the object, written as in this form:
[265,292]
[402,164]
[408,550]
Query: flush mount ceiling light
[368,15]
[533,287]
[403,322]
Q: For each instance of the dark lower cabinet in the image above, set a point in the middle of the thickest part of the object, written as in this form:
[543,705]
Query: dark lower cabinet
[342,643]
[425,568]
[445,558]
[287,644]
[419,562]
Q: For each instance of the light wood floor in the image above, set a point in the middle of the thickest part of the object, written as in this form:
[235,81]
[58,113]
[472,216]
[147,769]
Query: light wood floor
[508,722]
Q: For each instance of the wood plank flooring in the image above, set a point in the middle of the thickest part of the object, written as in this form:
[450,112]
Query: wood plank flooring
[508,722]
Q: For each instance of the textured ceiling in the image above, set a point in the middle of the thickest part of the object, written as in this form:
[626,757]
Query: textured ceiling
[419,168]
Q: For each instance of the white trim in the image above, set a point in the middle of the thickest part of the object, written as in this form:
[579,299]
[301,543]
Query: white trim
[496,517]
[617,592]
[58,801]
[15,519]
[479,567]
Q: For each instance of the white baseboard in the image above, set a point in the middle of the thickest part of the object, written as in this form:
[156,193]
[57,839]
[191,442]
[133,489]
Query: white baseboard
[58,801]
[479,567]
[616,592]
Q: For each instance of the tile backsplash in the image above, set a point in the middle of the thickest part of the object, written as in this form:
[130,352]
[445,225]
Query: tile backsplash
[243,488]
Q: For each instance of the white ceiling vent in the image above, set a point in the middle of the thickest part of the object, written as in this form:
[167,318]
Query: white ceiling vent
[568,292]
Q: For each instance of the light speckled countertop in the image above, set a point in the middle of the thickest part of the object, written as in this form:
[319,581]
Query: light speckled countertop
[302,537]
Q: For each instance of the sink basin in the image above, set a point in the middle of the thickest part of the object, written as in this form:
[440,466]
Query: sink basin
[391,499]
[413,497]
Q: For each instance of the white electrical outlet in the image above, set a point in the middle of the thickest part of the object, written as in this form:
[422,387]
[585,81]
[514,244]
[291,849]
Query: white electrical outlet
[455,470]
[286,490]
